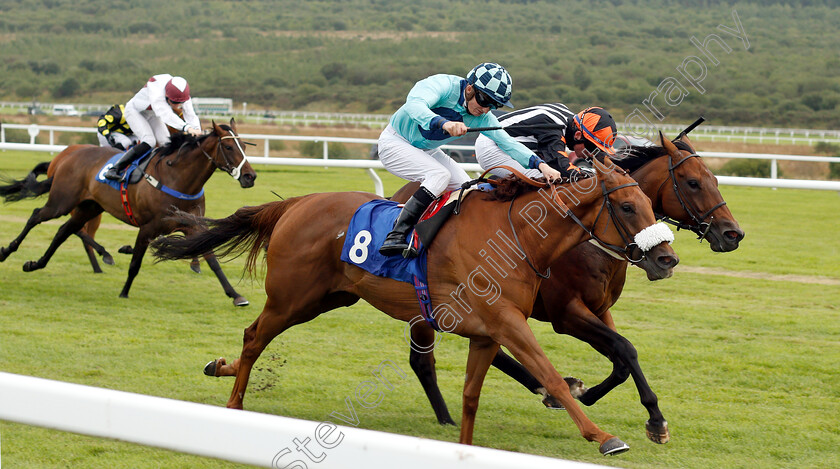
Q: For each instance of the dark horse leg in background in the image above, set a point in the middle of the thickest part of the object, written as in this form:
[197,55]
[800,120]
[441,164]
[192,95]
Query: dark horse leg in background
[92,248]
[423,364]
[195,264]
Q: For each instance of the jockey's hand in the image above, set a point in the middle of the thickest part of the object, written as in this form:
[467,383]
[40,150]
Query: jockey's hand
[455,128]
[550,173]
[195,132]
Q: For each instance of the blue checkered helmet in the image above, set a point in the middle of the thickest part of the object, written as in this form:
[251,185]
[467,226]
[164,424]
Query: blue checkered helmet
[492,79]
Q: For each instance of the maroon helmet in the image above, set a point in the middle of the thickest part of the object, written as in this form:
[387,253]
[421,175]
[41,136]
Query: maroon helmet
[177,90]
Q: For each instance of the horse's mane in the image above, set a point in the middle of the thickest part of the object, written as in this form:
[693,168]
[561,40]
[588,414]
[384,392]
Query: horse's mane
[637,156]
[510,187]
[180,140]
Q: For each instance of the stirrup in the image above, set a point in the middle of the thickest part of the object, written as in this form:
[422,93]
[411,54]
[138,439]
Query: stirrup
[113,175]
[410,252]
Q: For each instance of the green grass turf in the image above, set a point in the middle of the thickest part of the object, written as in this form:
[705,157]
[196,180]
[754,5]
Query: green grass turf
[745,368]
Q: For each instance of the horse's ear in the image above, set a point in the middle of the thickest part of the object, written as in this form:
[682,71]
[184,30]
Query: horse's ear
[686,140]
[232,123]
[669,146]
[216,128]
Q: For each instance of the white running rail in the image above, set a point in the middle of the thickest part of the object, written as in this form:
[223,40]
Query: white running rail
[236,435]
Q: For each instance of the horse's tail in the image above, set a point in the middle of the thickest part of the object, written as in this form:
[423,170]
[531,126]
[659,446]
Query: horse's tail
[249,228]
[28,187]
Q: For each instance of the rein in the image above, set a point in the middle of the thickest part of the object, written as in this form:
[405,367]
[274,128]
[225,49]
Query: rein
[622,230]
[699,227]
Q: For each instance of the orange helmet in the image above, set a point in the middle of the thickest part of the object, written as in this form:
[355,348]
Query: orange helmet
[597,126]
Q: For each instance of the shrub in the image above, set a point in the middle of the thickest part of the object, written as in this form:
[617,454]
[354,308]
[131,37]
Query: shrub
[834,170]
[827,148]
[747,168]
[316,149]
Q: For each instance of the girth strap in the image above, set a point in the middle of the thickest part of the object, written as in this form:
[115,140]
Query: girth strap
[124,198]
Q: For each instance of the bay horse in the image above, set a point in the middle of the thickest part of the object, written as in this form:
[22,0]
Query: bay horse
[182,166]
[587,281]
[302,239]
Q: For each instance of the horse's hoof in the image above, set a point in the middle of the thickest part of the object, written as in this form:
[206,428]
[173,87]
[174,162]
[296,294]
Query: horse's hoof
[447,421]
[613,446]
[576,387]
[195,266]
[240,301]
[108,259]
[210,368]
[4,253]
[550,402]
[29,266]
[658,434]
[126,250]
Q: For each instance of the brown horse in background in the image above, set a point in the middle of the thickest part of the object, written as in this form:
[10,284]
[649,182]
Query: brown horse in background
[302,239]
[587,281]
[183,165]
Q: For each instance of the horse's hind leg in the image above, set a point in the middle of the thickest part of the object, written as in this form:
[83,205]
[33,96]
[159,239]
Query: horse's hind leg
[91,253]
[278,315]
[422,360]
[238,300]
[83,212]
[33,220]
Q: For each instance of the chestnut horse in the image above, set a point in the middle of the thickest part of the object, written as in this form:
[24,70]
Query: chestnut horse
[302,239]
[587,281]
[182,166]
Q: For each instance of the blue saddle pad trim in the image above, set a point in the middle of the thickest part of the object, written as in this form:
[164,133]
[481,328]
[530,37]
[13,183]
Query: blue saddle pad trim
[367,231]
[111,161]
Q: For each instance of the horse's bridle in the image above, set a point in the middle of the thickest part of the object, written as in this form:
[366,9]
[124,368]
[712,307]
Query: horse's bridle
[700,227]
[234,172]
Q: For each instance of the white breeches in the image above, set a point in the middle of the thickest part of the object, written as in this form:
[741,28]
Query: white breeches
[489,154]
[434,169]
[122,139]
[146,126]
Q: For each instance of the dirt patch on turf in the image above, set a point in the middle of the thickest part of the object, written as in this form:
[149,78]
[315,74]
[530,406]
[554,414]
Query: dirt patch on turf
[761,275]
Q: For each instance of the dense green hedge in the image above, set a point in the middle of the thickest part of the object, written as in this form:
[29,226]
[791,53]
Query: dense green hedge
[364,55]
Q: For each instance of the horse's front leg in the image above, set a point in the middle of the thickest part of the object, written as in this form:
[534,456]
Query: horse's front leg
[482,351]
[422,360]
[238,300]
[579,322]
[144,236]
[513,332]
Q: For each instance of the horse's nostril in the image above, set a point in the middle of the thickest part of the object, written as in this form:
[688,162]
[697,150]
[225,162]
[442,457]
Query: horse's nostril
[668,261]
[734,235]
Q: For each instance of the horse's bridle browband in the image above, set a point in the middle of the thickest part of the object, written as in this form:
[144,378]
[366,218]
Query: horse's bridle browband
[700,227]
[622,230]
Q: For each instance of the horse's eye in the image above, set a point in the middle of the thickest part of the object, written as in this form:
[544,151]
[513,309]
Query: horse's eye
[228,147]
[627,208]
[692,183]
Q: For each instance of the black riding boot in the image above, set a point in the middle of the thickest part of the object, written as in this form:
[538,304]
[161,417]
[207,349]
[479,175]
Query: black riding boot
[135,152]
[395,243]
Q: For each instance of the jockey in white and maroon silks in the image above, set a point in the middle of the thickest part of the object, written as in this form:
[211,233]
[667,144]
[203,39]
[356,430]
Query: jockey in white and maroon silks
[150,111]
[439,109]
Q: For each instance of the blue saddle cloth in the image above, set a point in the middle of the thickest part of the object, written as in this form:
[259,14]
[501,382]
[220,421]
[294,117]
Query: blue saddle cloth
[111,161]
[367,231]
